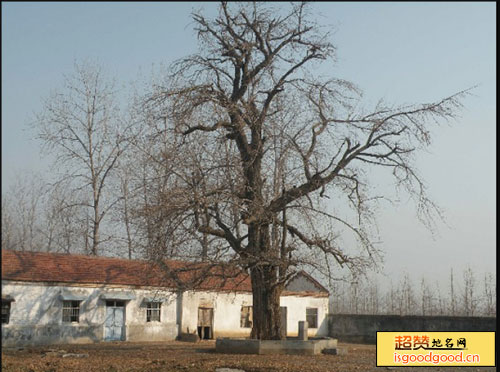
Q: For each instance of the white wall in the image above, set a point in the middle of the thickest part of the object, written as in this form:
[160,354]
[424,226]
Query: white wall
[36,314]
[40,305]
[37,309]
[227,312]
[296,311]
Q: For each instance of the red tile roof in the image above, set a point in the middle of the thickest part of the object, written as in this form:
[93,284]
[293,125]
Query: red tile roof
[51,267]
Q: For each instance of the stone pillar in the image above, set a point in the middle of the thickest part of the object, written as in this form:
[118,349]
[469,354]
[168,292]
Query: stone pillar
[303,327]
[179,303]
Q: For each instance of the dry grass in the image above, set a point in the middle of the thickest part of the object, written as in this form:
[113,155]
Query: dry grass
[186,357]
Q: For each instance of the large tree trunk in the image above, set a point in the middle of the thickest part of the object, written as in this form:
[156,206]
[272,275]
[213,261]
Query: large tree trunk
[266,304]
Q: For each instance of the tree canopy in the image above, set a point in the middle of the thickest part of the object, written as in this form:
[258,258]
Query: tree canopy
[258,141]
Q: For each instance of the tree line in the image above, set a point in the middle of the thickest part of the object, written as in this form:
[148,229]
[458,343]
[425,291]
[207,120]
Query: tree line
[110,161]
[466,294]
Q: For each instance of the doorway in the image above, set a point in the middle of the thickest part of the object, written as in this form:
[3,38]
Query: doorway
[114,324]
[205,323]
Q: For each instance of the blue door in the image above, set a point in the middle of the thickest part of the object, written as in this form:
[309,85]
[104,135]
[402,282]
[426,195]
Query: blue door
[114,324]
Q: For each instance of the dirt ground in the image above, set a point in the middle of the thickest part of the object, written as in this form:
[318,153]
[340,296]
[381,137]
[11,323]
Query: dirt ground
[189,357]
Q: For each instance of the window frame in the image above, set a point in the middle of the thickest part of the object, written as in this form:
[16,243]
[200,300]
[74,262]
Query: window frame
[115,303]
[315,315]
[246,321]
[153,308]
[6,305]
[73,309]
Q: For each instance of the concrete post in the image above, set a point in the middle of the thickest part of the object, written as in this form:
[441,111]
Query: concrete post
[179,301]
[303,327]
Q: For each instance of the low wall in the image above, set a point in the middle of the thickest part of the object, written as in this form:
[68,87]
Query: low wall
[261,347]
[151,332]
[364,328]
[31,335]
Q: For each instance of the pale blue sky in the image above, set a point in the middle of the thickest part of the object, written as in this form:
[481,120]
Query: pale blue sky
[402,52]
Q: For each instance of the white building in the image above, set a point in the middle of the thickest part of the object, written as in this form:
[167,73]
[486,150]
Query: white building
[55,298]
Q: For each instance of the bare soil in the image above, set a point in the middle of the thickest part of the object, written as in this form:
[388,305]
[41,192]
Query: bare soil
[188,357]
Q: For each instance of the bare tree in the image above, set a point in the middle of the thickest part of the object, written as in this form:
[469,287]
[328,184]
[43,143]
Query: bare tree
[426,298]
[373,297]
[407,301]
[8,224]
[469,296]
[37,216]
[392,299]
[362,295]
[453,301]
[151,182]
[489,295]
[441,302]
[338,298]
[22,207]
[124,188]
[264,141]
[65,223]
[80,124]
[355,296]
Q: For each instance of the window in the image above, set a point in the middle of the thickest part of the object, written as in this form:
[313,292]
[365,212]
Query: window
[246,319]
[71,311]
[5,312]
[114,303]
[153,312]
[312,317]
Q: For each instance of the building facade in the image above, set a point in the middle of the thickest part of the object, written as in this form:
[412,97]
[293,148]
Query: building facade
[54,298]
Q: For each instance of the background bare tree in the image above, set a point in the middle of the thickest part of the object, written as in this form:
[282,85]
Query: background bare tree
[146,179]
[453,301]
[8,225]
[391,299]
[490,295]
[426,298]
[441,301]
[38,216]
[65,220]
[357,296]
[407,300]
[264,141]
[126,209]
[469,294]
[21,213]
[80,124]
